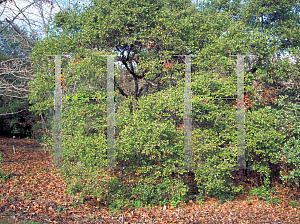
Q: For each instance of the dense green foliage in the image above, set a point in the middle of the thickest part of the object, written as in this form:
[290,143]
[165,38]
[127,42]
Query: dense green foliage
[287,117]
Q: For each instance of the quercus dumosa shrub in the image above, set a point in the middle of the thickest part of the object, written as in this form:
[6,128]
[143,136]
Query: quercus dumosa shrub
[84,123]
[214,135]
[149,144]
[84,137]
[272,139]
[263,143]
[287,121]
[142,138]
[214,145]
[149,140]
[146,145]
[291,162]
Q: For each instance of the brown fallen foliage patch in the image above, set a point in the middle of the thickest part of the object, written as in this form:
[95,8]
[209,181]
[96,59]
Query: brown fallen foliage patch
[36,194]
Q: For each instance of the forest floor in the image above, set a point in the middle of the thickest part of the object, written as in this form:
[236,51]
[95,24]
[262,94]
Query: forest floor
[33,192]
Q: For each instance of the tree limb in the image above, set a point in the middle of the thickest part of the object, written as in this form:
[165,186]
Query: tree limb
[12,113]
[17,16]
[18,31]
[120,89]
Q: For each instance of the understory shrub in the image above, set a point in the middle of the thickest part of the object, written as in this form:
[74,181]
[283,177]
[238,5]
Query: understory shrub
[291,162]
[148,139]
[144,142]
[214,136]
[287,121]
[263,142]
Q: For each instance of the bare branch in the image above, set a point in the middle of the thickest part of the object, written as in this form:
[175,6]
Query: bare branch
[14,76]
[18,31]
[25,17]
[1,1]
[17,16]
[12,113]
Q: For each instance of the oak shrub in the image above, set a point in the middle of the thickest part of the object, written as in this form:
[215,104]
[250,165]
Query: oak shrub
[149,142]
[150,146]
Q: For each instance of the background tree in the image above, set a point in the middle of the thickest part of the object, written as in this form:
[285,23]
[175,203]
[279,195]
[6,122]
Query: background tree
[278,21]
[15,70]
[20,29]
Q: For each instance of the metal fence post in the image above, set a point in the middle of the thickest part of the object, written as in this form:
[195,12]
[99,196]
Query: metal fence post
[188,150]
[110,113]
[57,114]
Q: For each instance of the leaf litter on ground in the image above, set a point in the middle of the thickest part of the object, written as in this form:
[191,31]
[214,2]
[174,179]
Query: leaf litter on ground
[34,192]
